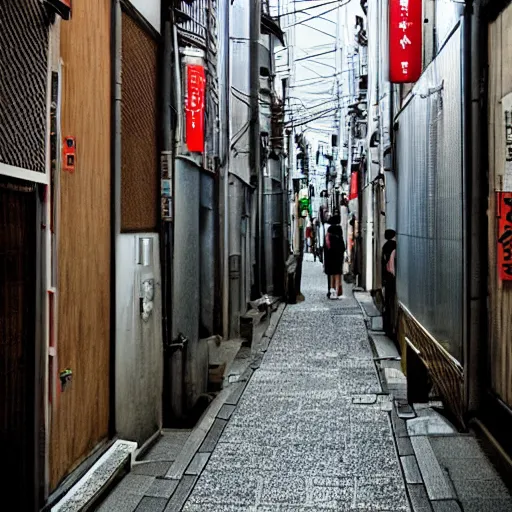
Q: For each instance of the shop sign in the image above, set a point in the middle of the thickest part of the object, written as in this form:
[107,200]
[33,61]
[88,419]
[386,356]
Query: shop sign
[194,108]
[405,40]
[353,186]
[504,248]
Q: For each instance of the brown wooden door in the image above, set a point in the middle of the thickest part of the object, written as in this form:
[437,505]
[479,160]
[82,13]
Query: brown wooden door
[500,291]
[17,341]
[80,416]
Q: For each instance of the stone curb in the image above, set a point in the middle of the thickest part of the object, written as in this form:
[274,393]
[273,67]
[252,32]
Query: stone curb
[98,480]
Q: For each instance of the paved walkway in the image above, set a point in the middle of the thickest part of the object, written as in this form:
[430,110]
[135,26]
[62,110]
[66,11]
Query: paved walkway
[298,439]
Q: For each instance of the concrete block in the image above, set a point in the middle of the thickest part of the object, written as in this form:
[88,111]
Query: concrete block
[181,494]
[149,504]
[151,468]
[458,446]
[419,498]
[429,423]
[438,487]
[411,469]
[198,463]
[226,412]
[446,506]
[213,436]
[162,488]
[384,346]
[120,502]
[404,446]
[95,481]
[487,505]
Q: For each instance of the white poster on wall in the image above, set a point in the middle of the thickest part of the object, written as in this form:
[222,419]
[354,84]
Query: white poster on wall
[150,9]
[506,104]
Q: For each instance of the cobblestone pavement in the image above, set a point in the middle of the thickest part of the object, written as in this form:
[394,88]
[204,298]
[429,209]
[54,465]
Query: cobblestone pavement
[298,439]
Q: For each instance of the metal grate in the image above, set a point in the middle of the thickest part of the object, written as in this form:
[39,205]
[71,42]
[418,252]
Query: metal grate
[24,29]
[17,335]
[139,129]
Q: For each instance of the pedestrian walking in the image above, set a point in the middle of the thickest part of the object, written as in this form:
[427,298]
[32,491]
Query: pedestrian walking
[334,256]
[389,281]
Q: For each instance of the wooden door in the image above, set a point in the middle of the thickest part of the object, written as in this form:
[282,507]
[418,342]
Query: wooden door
[80,415]
[500,290]
[17,340]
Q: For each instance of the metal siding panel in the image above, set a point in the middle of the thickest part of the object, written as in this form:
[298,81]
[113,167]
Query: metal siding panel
[430,251]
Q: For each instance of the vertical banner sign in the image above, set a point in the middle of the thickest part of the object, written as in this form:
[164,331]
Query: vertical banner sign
[405,40]
[504,249]
[353,193]
[194,108]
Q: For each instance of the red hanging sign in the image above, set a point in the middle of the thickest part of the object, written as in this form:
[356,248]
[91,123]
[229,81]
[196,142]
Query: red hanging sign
[405,40]
[194,108]
[504,248]
[353,186]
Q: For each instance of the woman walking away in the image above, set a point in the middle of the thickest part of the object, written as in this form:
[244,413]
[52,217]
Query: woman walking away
[334,253]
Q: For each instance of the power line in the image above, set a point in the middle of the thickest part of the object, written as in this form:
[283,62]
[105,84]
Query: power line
[314,17]
[309,8]
[318,30]
[315,55]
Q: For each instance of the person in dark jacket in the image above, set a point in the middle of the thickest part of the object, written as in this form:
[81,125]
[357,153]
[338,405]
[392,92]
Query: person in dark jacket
[389,281]
[333,257]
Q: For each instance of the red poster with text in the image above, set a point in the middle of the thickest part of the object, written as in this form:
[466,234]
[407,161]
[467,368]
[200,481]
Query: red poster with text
[194,108]
[504,246]
[405,40]
[353,193]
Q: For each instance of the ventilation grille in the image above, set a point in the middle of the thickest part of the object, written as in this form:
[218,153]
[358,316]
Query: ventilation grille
[139,179]
[24,28]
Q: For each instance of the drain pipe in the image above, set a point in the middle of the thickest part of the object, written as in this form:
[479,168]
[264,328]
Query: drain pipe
[255,17]
[474,213]
[224,138]
[167,146]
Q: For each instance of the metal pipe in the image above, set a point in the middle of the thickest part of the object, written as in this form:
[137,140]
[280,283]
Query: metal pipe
[474,214]
[224,138]
[177,86]
[255,17]
[236,194]
[167,145]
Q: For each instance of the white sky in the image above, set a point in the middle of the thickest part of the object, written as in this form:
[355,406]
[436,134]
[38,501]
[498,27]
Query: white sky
[315,88]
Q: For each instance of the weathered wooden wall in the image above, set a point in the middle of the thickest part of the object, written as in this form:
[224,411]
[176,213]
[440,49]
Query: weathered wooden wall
[80,418]
[500,310]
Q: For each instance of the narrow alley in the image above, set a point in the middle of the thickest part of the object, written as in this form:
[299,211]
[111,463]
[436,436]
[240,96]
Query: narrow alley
[310,426]
[256,255]
[297,440]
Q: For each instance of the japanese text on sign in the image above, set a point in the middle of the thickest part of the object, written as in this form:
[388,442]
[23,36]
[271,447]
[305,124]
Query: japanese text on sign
[504,249]
[405,40]
[194,107]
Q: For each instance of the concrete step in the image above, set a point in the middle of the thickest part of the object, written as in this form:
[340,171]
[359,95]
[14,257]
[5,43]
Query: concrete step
[99,479]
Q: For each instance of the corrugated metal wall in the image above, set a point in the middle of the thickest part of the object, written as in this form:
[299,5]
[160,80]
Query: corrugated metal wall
[429,156]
